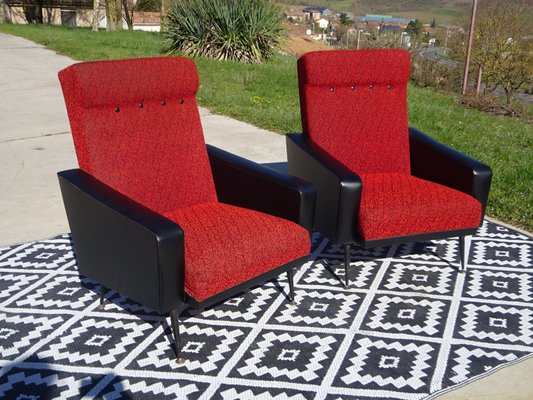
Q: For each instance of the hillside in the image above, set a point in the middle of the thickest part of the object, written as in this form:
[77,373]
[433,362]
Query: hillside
[425,10]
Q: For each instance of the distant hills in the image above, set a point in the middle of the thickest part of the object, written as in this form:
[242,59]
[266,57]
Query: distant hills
[425,10]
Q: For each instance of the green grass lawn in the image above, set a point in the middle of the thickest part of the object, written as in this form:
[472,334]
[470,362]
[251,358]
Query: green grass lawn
[267,96]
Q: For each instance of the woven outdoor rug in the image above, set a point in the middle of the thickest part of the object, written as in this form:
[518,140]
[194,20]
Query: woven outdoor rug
[409,327]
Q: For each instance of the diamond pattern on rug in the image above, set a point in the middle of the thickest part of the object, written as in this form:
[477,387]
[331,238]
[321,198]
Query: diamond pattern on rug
[29,384]
[247,307]
[491,230]
[19,332]
[205,347]
[468,361]
[11,284]
[500,324]
[288,356]
[40,256]
[227,392]
[319,308]
[408,327]
[61,292]
[152,388]
[436,250]
[502,254]
[388,364]
[403,277]
[499,285]
[419,316]
[97,342]
[328,272]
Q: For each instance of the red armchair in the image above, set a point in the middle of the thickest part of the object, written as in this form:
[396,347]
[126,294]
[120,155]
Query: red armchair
[154,213]
[379,182]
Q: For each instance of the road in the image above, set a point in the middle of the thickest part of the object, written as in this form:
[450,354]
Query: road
[433,54]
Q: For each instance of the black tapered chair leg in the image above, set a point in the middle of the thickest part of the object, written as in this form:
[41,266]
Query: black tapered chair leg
[290,277]
[346,264]
[103,291]
[174,324]
[462,254]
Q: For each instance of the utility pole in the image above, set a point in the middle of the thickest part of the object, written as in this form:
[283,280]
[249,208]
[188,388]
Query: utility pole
[358,37]
[469,48]
[446,40]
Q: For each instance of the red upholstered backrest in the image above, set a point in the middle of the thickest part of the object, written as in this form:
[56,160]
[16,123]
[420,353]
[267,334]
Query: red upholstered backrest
[354,106]
[136,127]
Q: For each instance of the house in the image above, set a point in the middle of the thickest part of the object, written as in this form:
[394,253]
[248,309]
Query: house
[322,23]
[315,13]
[55,12]
[375,20]
[295,15]
[146,21]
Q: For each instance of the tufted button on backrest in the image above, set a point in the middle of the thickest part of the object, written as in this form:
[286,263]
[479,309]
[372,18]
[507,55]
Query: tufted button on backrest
[366,130]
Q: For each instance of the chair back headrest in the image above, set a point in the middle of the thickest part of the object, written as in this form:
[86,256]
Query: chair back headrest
[136,127]
[354,105]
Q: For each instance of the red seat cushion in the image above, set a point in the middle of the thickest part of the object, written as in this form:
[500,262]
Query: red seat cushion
[227,245]
[400,204]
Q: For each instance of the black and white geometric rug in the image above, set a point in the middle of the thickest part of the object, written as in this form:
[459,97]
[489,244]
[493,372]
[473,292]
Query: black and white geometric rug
[409,327]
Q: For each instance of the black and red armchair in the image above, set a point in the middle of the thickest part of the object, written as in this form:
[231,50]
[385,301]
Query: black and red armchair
[378,181]
[154,213]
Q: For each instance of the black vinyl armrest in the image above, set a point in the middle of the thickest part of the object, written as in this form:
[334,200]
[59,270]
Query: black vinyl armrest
[244,183]
[436,162]
[122,244]
[338,188]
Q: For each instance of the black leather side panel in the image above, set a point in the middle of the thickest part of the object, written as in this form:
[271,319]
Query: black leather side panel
[244,183]
[122,244]
[338,189]
[436,162]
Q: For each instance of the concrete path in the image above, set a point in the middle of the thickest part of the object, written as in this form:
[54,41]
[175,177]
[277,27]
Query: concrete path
[35,143]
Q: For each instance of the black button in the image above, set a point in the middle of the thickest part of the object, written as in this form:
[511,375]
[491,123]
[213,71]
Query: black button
[117,109]
[141,105]
[371,86]
[389,87]
[331,89]
[163,103]
[182,101]
[353,87]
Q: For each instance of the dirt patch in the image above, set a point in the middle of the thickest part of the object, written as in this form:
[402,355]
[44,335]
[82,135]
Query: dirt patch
[298,45]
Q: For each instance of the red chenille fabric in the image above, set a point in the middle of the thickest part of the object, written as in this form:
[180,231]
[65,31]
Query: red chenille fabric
[136,127]
[354,106]
[400,205]
[227,245]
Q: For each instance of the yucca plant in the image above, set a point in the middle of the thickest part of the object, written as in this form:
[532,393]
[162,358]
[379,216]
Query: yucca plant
[242,30]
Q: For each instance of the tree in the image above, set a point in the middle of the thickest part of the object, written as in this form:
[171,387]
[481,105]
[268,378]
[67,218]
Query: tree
[114,14]
[344,19]
[503,46]
[128,5]
[96,15]
[434,23]
[414,27]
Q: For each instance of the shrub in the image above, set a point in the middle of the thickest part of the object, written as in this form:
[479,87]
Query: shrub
[148,5]
[426,73]
[243,30]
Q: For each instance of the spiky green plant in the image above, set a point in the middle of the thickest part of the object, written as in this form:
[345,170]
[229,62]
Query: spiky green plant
[242,30]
